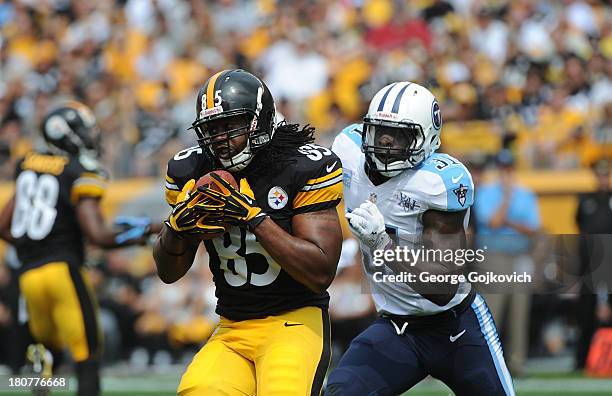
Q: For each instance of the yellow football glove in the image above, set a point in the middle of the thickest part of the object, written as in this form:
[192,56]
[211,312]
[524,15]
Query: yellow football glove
[237,207]
[187,218]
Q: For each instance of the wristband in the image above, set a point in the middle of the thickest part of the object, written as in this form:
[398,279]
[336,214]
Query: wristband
[174,234]
[172,230]
[383,242]
[255,221]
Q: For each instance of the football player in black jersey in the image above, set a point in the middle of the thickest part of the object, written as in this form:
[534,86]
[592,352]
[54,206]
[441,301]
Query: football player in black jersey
[273,265]
[55,208]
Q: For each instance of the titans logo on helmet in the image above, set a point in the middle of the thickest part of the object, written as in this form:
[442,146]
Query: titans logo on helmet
[436,115]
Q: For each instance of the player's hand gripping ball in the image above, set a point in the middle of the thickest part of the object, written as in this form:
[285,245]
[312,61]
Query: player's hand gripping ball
[236,204]
[213,219]
[190,215]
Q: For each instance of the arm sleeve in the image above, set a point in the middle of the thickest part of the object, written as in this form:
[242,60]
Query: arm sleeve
[88,184]
[172,190]
[319,185]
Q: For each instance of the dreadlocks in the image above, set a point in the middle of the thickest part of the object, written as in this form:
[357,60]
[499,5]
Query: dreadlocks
[282,149]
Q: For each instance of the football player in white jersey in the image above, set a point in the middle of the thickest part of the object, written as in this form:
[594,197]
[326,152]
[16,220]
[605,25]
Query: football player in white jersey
[400,193]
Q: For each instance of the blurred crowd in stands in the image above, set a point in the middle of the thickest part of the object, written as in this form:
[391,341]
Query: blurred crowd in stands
[532,76]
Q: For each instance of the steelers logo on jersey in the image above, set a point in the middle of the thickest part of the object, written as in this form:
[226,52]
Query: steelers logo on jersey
[277,198]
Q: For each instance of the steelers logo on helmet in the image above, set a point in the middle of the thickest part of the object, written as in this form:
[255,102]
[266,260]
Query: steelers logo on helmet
[56,127]
[234,117]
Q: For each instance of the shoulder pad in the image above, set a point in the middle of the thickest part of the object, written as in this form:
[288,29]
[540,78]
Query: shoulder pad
[187,164]
[352,132]
[448,185]
[90,179]
[318,179]
[347,145]
[314,155]
[190,163]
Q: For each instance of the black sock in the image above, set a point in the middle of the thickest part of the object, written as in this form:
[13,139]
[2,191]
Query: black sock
[88,375]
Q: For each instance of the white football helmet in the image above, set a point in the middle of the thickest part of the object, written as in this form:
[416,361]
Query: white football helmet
[401,129]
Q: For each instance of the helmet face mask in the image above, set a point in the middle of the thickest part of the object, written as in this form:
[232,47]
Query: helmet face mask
[226,137]
[219,133]
[401,129]
[392,146]
[238,122]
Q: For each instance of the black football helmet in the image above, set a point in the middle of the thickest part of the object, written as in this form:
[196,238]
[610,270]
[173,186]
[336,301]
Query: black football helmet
[71,129]
[242,104]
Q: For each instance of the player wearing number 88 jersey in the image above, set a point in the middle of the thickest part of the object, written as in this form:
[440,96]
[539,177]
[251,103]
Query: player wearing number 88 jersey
[56,206]
[272,268]
[44,226]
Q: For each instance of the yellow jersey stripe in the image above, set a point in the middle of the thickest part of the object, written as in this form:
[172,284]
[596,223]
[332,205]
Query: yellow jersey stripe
[329,193]
[210,90]
[86,190]
[326,177]
[92,175]
[310,187]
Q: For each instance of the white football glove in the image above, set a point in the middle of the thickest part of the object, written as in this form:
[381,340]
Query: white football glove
[368,225]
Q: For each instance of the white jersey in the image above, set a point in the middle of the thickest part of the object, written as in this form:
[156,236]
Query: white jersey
[440,183]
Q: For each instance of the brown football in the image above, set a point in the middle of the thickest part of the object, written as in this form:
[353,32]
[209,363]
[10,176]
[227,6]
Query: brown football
[225,175]
[206,180]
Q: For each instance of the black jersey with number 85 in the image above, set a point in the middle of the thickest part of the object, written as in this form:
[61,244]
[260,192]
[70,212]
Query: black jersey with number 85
[249,282]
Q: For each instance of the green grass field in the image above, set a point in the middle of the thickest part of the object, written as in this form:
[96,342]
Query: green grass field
[158,384]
